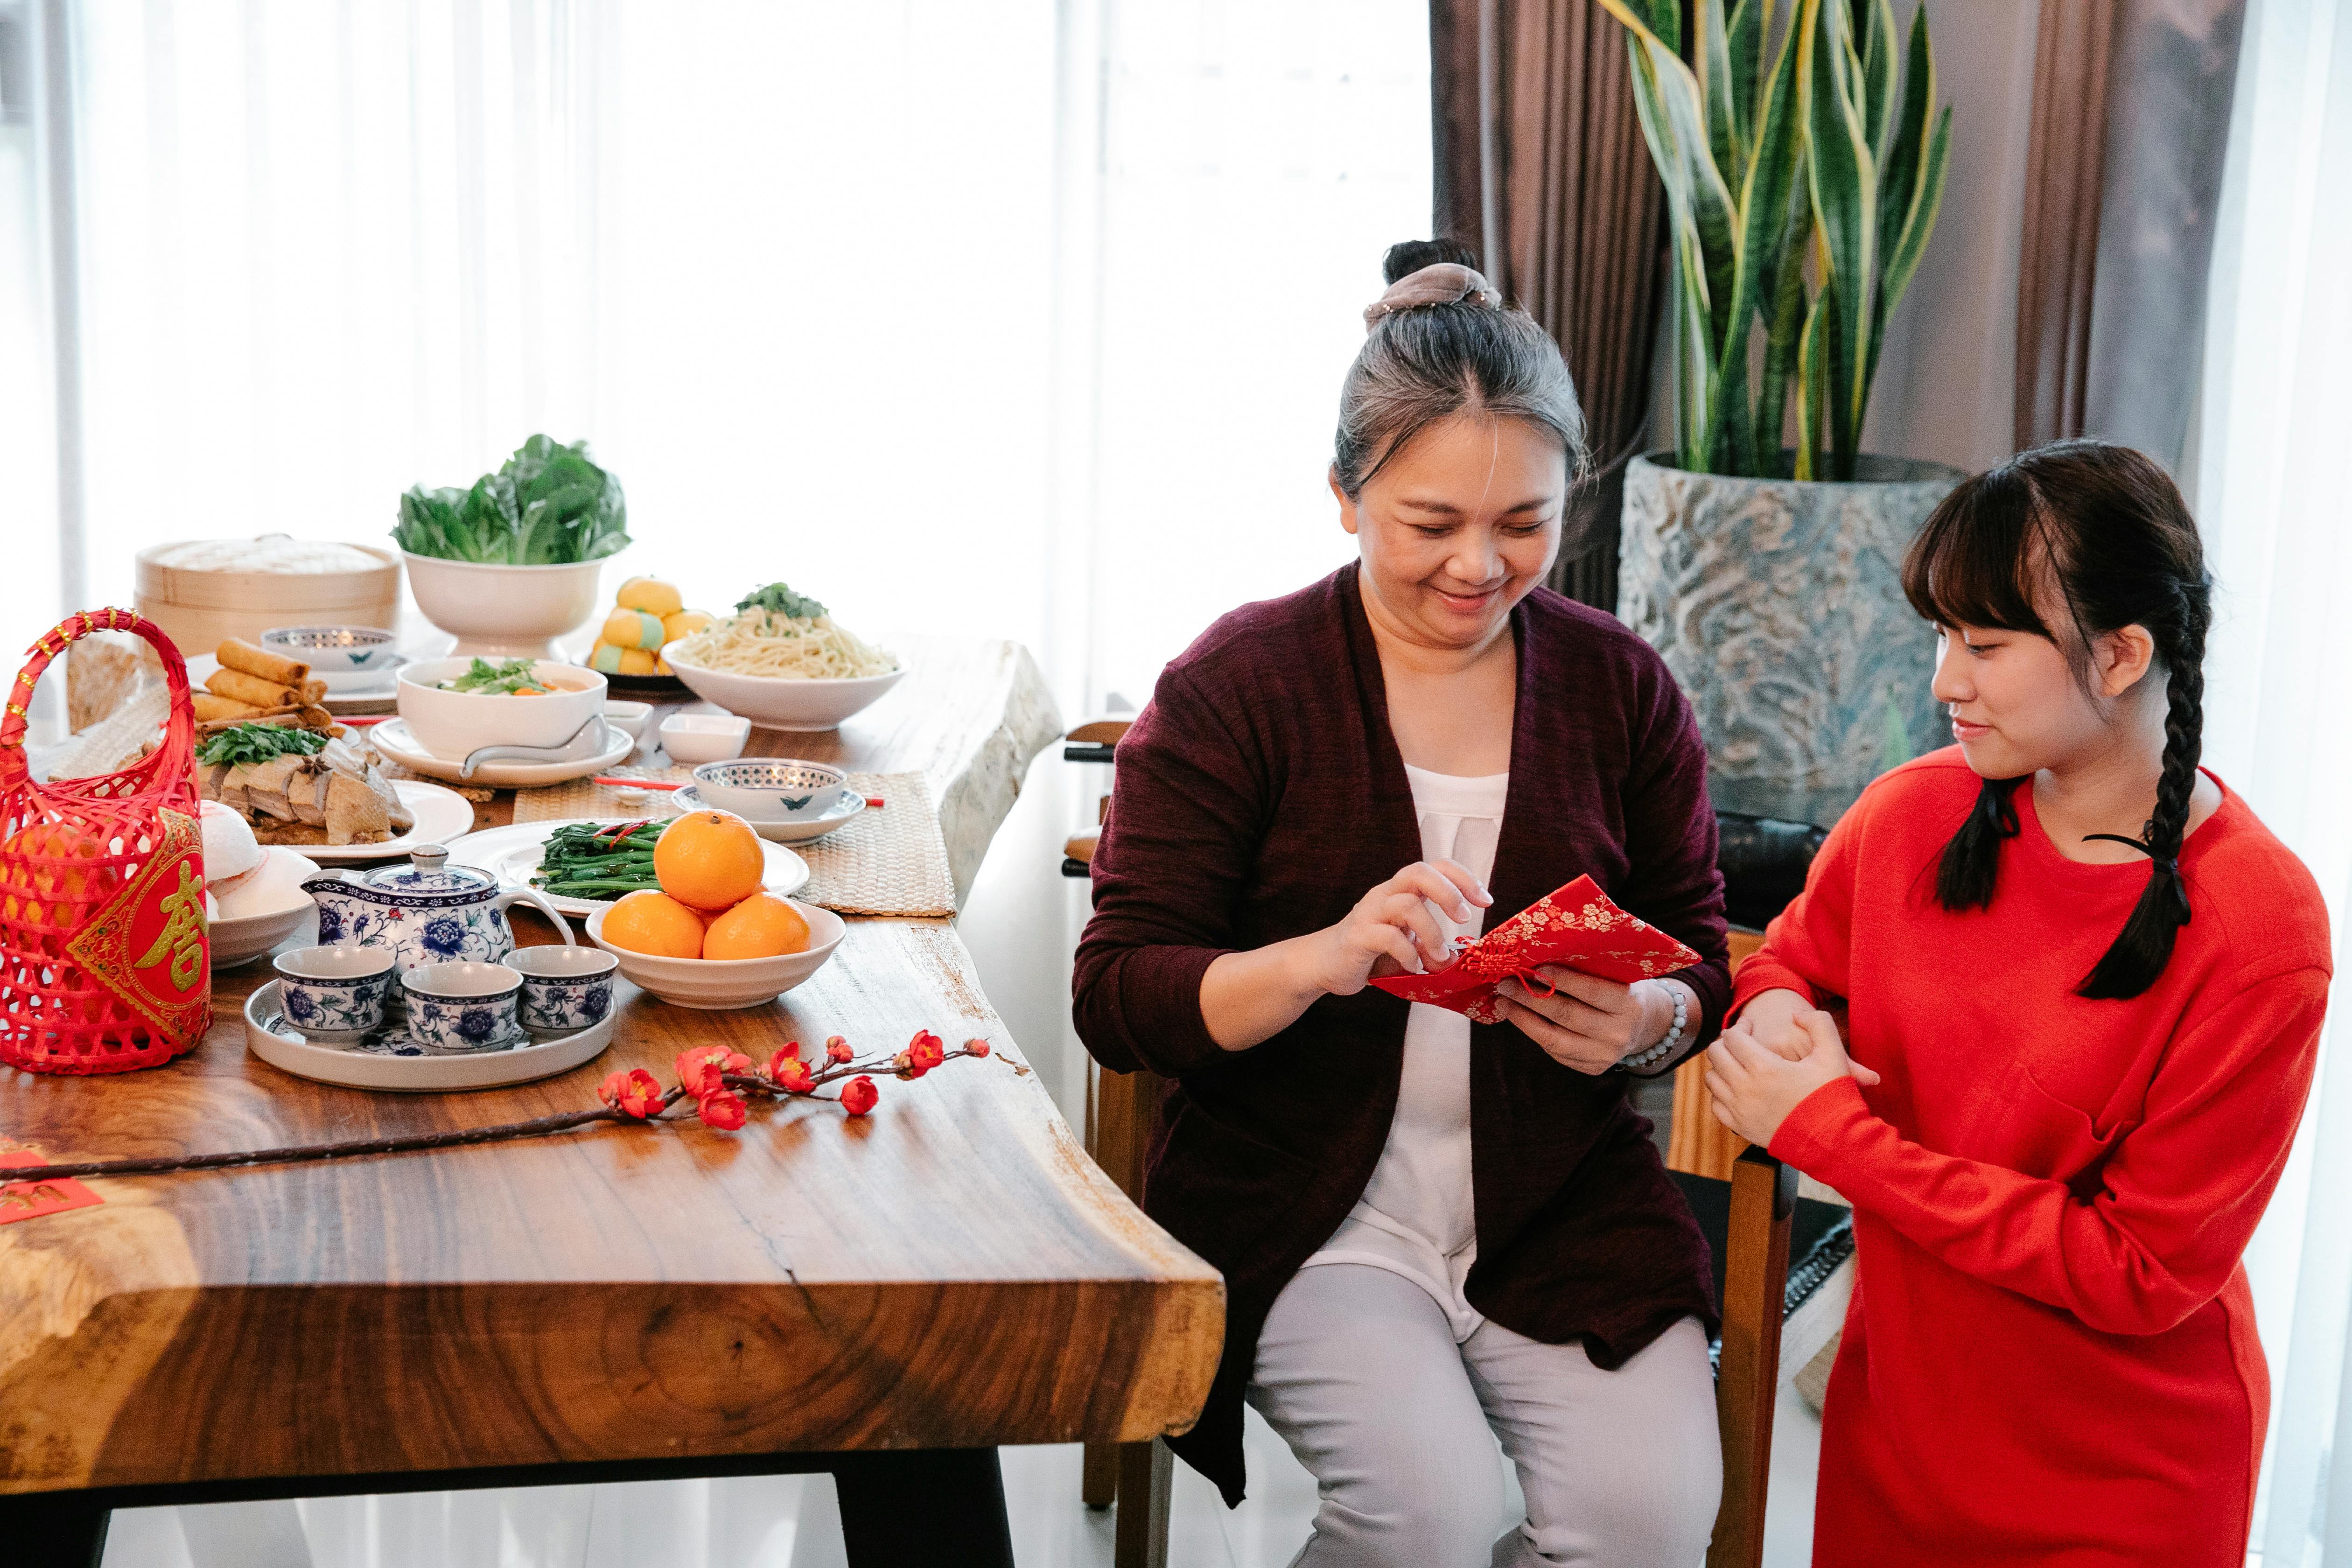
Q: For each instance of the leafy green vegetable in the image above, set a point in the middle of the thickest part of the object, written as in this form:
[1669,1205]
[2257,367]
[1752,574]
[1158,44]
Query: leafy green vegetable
[778,599]
[486,679]
[547,506]
[242,743]
[584,860]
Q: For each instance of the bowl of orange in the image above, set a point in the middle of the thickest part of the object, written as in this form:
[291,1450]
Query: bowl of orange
[712,937]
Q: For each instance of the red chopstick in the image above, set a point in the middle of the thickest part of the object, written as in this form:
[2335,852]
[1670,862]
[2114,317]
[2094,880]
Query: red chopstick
[873,802]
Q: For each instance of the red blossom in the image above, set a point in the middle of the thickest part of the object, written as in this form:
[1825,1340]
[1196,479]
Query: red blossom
[858,1095]
[976,1047]
[836,1049]
[791,1074]
[633,1093]
[789,1048]
[699,1068]
[909,1066]
[723,1109]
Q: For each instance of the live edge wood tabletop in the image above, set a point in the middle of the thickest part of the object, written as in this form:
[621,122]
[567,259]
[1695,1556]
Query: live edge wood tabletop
[950,1272]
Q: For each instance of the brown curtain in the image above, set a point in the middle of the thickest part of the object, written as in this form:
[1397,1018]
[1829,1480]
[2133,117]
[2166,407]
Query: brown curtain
[1541,168]
[2131,118]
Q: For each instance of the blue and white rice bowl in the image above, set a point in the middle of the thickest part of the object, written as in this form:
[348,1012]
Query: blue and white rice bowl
[771,789]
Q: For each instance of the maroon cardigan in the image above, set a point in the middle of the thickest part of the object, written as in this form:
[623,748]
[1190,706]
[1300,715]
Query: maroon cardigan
[1259,796]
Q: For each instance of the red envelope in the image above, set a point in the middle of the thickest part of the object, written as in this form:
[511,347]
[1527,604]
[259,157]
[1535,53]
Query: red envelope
[30,1200]
[1576,927]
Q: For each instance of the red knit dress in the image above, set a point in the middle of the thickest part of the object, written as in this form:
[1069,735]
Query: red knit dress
[2050,1358]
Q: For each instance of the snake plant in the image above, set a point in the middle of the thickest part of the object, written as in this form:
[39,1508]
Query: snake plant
[1809,155]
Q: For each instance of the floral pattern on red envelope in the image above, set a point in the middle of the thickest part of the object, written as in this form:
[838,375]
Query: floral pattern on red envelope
[1576,927]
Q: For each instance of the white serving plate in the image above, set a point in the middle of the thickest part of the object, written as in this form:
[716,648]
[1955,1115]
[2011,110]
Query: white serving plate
[248,937]
[778,702]
[599,749]
[778,829]
[441,815]
[511,854]
[716,983]
[285,1049]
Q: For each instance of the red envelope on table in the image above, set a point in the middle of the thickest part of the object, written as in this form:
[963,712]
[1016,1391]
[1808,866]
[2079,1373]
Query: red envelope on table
[1575,927]
[31,1200]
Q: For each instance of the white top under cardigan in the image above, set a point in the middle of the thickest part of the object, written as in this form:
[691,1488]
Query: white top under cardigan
[1416,1218]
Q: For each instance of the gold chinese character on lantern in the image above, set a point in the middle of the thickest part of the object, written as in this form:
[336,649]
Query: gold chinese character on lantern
[183,936]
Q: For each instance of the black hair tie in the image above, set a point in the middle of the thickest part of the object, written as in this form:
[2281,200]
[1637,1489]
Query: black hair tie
[2167,862]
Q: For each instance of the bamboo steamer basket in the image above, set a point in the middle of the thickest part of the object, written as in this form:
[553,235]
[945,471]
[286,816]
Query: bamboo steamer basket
[200,609]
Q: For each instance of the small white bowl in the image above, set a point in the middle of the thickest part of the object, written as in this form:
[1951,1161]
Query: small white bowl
[512,611]
[454,724]
[779,703]
[772,789]
[693,737]
[628,717]
[715,984]
[331,651]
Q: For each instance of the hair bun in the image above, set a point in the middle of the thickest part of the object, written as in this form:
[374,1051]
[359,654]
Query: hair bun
[1408,256]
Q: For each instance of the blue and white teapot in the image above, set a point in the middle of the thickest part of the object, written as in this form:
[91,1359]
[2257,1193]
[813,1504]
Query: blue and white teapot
[427,912]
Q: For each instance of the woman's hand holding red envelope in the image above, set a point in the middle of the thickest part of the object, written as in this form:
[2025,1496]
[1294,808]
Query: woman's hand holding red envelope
[1246,997]
[1587,1023]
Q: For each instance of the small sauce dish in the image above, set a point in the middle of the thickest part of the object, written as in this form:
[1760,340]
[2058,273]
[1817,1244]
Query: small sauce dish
[692,739]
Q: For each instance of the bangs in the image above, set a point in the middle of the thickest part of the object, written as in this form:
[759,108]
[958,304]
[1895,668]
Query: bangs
[1977,558]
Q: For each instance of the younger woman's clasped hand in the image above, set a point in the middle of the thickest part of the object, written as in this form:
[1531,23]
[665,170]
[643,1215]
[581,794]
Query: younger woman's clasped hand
[1760,1068]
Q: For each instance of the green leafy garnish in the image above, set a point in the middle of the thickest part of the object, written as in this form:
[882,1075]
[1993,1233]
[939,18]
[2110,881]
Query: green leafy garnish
[242,743]
[547,506]
[778,599]
[587,860]
[486,679]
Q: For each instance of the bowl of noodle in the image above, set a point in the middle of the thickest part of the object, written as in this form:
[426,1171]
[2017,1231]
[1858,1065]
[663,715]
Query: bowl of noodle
[780,662]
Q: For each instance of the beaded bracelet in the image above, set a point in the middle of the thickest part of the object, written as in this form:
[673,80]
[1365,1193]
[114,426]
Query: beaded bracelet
[1666,1047]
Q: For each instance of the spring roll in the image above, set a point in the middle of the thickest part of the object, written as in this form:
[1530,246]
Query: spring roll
[252,688]
[316,717]
[211,706]
[314,691]
[261,663]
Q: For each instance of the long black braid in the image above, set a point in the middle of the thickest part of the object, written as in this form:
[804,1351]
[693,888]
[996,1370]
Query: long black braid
[2139,954]
[2105,528]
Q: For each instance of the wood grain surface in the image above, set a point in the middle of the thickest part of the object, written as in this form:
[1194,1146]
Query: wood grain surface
[950,1271]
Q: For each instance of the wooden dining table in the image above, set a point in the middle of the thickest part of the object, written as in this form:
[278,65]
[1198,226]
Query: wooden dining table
[888,1297]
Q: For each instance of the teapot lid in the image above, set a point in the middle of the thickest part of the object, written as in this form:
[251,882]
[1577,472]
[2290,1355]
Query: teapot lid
[428,871]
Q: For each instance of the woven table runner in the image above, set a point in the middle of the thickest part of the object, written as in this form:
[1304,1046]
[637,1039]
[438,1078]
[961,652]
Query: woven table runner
[891,861]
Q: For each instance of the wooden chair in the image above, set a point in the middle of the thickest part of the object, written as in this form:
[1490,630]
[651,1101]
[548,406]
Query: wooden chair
[1754,1193]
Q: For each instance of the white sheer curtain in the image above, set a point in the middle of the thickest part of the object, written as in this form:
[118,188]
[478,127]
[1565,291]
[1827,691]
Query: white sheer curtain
[963,314]
[1023,318]
[2278,703]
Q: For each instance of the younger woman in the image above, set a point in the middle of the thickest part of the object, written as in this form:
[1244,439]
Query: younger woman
[2087,985]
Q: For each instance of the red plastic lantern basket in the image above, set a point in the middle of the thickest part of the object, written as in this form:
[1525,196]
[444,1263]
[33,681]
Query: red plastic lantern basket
[105,963]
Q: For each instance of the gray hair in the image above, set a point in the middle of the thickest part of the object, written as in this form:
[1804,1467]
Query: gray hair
[1426,363]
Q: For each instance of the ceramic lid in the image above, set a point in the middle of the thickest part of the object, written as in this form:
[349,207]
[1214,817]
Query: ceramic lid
[428,872]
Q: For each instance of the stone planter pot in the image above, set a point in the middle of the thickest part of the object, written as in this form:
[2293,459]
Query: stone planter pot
[1779,607]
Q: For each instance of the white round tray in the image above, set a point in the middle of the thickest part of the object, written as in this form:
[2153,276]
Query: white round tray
[285,1048]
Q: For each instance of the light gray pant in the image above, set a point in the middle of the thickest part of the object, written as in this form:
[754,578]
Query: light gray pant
[1357,1370]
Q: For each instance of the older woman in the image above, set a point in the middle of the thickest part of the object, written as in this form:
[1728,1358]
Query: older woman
[1434,1234]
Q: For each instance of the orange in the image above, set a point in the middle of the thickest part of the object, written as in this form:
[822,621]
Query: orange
[647,921]
[709,859]
[761,926]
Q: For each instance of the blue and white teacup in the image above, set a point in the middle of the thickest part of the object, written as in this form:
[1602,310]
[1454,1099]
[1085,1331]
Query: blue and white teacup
[465,1006]
[334,990]
[566,988]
